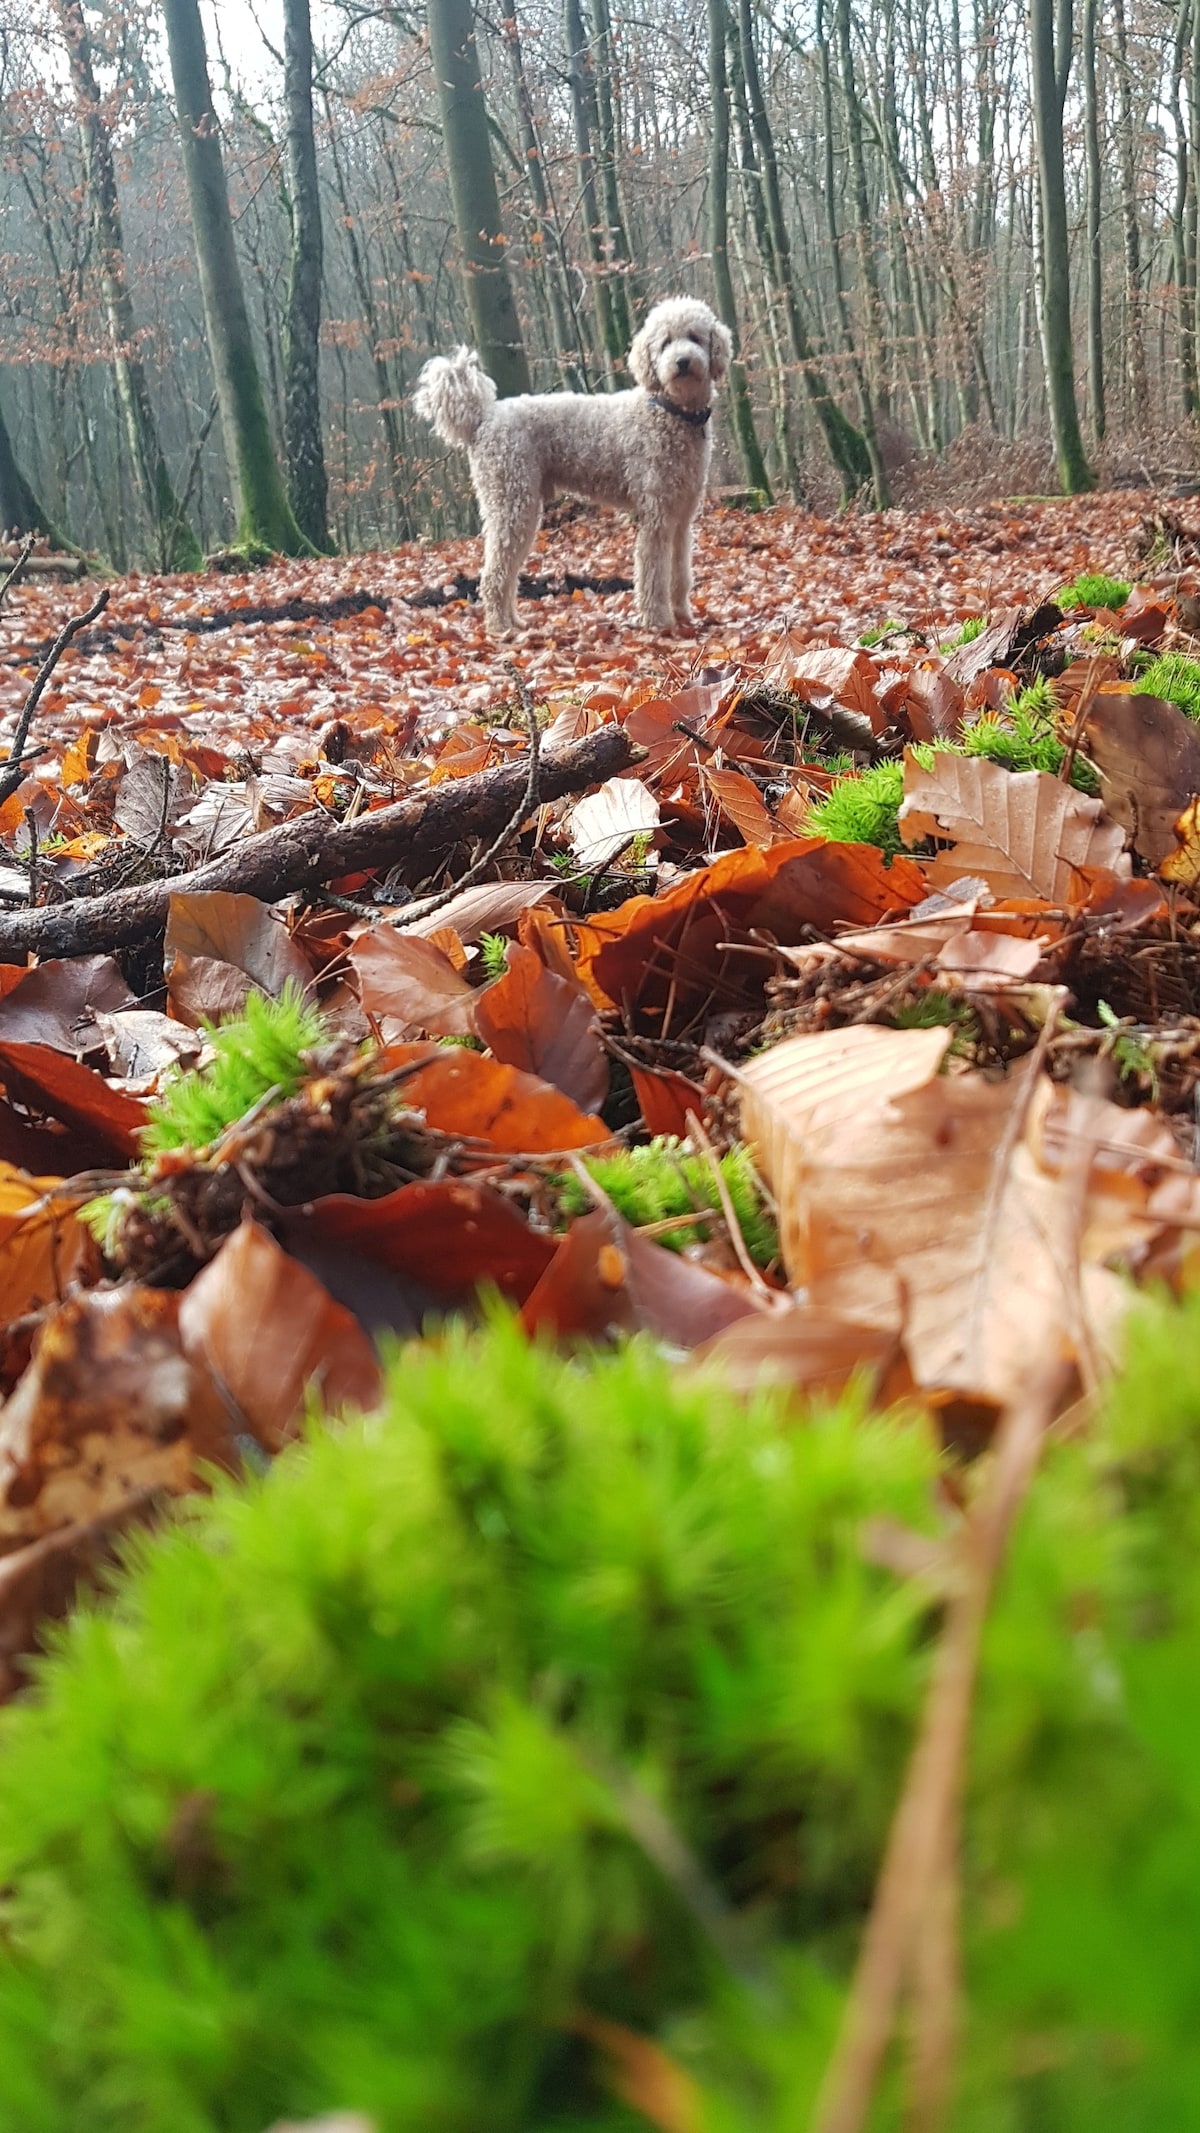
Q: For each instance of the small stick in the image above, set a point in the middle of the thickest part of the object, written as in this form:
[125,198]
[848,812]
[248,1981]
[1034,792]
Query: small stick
[11,777]
[1091,683]
[31,826]
[18,567]
[527,805]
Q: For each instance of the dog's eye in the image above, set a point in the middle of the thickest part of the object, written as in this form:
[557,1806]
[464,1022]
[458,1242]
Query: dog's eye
[696,340]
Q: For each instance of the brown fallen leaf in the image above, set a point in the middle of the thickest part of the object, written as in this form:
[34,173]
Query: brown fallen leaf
[1024,832]
[544,1024]
[480,1099]
[879,1164]
[406,983]
[270,1336]
[605,1279]
[43,1244]
[811,1350]
[441,1240]
[740,800]
[605,822]
[58,1003]
[109,1407]
[48,1082]
[40,1582]
[220,946]
[1148,755]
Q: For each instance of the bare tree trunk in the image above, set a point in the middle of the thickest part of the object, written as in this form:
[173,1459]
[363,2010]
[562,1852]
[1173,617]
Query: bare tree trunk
[1095,263]
[568,340]
[264,516]
[490,299]
[866,401]
[1051,65]
[864,244]
[308,484]
[616,236]
[614,340]
[20,511]
[385,393]
[1183,223]
[176,546]
[846,446]
[1135,340]
[753,464]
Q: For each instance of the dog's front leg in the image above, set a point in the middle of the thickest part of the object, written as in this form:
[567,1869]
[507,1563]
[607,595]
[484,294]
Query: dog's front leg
[681,574]
[652,575]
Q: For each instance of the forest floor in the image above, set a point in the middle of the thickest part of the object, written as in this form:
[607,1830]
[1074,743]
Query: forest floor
[757,575]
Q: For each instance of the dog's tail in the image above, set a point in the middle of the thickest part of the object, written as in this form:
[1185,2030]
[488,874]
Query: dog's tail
[456,394]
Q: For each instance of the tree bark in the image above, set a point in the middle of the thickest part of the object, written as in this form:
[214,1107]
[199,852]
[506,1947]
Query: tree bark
[1050,44]
[866,402]
[749,450]
[176,546]
[20,511]
[585,119]
[490,300]
[1095,286]
[1183,222]
[845,444]
[1135,340]
[264,516]
[308,485]
[546,235]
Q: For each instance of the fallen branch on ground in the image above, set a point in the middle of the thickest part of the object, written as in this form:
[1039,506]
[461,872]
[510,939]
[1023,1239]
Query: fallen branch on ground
[13,772]
[302,854]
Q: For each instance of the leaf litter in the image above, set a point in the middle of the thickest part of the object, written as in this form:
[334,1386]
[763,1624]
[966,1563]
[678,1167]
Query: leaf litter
[960,1063]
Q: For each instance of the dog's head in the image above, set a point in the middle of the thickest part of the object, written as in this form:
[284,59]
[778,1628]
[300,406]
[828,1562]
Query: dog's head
[682,352]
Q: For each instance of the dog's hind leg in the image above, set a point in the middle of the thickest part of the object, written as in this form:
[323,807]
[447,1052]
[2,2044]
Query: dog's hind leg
[510,524]
[652,565]
[681,571]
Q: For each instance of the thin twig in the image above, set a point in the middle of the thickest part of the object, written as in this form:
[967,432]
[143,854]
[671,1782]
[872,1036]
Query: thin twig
[18,568]
[923,1835]
[527,805]
[698,1134]
[11,777]
[1091,683]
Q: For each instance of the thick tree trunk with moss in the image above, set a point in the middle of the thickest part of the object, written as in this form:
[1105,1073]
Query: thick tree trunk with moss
[846,446]
[308,485]
[489,293]
[264,515]
[1050,50]
[749,449]
[20,510]
[175,544]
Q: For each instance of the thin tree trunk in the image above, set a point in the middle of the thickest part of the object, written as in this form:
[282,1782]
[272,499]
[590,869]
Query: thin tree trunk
[175,544]
[616,234]
[385,395]
[1051,66]
[490,300]
[308,485]
[846,446]
[1183,223]
[866,402]
[568,340]
[20,511]
[263,514]
[868,275]
[613,340]
[750,451]
[1095,283]
[1135,340]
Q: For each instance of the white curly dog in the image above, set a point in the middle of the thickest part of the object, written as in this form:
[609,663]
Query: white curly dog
[647,450]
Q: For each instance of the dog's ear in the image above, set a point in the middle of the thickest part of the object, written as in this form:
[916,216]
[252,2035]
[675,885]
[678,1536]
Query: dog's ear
[641,363]
[721,352]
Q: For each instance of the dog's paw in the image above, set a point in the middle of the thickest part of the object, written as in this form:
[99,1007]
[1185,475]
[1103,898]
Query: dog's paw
[685,619]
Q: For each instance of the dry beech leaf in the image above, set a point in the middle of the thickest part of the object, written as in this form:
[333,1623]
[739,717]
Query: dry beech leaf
[40,1581]
[739,798]
[406,983]
[109,1407]
[532,1019]
[1147,752]
[933,704]
[1183,864]
[57,1004]
[840,671]
[606,1279]
[58,1087]
[811,1350]
[221,927]
[462,1093]
[605,822]
[488,909]
[1024,832]
[270,1335]
[880,1165]
[438,1241]
[43,1245]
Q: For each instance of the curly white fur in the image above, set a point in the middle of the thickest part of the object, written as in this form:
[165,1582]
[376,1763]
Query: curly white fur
[628,449]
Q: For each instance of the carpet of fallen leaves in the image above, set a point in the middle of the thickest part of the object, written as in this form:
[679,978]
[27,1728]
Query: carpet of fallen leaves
[969,1072]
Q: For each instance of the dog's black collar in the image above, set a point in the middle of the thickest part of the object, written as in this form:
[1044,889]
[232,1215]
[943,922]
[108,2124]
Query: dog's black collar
[695,417]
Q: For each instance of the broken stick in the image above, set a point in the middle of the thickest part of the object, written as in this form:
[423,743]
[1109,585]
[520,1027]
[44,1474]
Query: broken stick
[300,855]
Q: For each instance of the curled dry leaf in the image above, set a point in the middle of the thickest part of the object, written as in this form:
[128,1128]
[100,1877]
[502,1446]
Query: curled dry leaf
[740,800]
[109,1407]
[879,1164]
[406,983]
[479,1099]
[1148,755]
[43,1245]
[1024,832]
[605,1279]
[532,1019]
[605,822]
[270,1336]
[47,1082]
[812,1351]
[219,946]
[58,1003]
[438,1240]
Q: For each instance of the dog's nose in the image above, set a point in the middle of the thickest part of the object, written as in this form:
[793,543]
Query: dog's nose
[683,364]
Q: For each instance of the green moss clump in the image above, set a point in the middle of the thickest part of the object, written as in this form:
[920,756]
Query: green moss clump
[1025,736]
[973,627]
[555,1690]
[548,1690]
[263,1050]
[1093,589]
[863,809]
[1174,677]
[664,1180]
